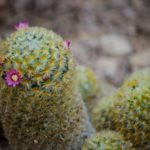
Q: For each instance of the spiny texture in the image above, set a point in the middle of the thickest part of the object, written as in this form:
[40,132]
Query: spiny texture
[88,86]
[38,55]
[40,107]
[129,111]
[107,140]
[101,116]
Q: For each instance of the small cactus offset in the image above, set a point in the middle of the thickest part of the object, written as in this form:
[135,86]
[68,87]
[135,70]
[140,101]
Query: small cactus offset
[87,81]
[40,107]
[128,111]
[107,140]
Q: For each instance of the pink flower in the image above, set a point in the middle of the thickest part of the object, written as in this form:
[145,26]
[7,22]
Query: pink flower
[67,44]
[22,25]
[13,78]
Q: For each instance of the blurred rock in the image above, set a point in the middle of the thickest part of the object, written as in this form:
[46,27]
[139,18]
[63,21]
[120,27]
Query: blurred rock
[142,10]
[80,52]
[2,10]
[115,45]
[21,7]
[91,44]
[119,3]
[113,69]
[86,48]
[141,59]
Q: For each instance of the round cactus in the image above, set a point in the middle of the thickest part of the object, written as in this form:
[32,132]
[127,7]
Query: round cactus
[128,110]
[87,82]
[88,86]
[107,140]
[40,105]
[101,116]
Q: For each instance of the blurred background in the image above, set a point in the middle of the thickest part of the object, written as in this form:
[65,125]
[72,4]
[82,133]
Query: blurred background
[111,36]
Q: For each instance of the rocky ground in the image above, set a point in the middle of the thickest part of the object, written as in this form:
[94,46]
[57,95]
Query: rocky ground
[112,37]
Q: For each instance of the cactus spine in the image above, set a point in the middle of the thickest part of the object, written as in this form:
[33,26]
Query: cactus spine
[107,140]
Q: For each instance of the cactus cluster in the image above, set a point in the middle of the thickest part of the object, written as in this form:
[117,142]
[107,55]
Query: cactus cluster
[40,104]
[128,110]
[41,92]
[107,140]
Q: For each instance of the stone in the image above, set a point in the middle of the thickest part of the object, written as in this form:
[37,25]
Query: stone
[115,45]
[141,59]
[79,52]
[112,69]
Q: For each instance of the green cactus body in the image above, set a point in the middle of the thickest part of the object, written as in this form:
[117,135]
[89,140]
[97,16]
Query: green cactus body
[101,116]
[45,110]
[128,111]
[88,86]
[107,140]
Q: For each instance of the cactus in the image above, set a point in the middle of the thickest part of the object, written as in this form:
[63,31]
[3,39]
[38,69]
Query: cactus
[41,107]
[107,140]
[92,90]
[128,110]
[87,81]
[101,116]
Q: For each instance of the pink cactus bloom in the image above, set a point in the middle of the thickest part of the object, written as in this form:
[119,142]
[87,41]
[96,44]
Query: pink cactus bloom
[13,78]
[67,44]
[22,25]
